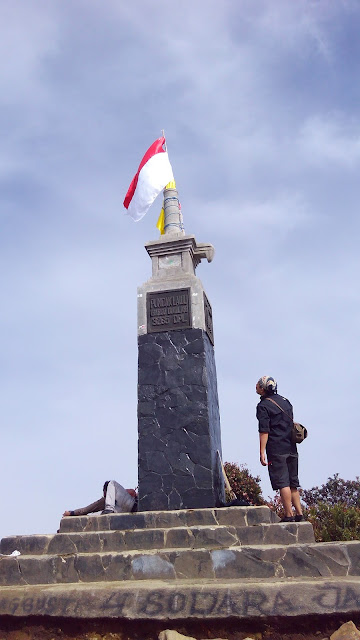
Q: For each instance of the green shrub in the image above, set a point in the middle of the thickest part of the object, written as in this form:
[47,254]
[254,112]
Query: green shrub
[243,484]
[334,522]
[334,491]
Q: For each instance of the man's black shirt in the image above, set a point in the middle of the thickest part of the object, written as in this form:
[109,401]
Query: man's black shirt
[278,425]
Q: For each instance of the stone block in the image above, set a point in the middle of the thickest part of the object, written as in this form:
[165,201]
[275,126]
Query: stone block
[334,555]
[200,517]
[229,516]
[174,499]
[193,564]
[40,570]
[180,538]
[117,567]
[90,569]
[195,346]
[151,375]
[229,564]
[297,562]
[197,499]
[305,532]
[280,534]
[149,353]
[166,519]
[213,537]
[235,516]
[347,631]
[257,515]
[250,535]
[146,392]
[170,634]
[157,463]
[145,539]
[35,544]
[62,543]
[174,398]
[154,481]
[183,483]
[10,573]
[152,568]
[181,463]
[168,600]
[203,477]
[103,567]
[126,521]
[184,405]
[353,551]
[146,408]
[157,500]
[112,541]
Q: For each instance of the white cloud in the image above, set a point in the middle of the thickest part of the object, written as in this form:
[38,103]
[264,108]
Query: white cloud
[259,122]
[331,138]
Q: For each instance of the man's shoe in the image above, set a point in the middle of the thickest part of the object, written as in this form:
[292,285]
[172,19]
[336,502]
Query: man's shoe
[299,518]
[103,513]
[288,519]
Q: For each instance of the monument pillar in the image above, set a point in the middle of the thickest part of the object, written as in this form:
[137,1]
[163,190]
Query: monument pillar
[178,409]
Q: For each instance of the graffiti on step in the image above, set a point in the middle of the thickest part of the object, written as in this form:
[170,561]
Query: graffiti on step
[158,604]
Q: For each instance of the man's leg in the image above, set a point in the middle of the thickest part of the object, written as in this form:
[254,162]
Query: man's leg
[293,462]
[285,495]
[110,497]
[295,499]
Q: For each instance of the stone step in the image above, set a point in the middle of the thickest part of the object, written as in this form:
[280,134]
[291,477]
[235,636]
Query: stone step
[234,516]
[243,599]
[264,561]
[204,537]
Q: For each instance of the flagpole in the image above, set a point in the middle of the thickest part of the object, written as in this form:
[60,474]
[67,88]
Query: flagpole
[173,219]
[163,135]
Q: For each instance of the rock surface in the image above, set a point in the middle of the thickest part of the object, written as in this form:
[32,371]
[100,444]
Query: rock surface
[235,562]
[178,422]
[347,631]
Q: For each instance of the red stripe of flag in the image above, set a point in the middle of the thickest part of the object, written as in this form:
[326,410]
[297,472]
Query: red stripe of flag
[156,147]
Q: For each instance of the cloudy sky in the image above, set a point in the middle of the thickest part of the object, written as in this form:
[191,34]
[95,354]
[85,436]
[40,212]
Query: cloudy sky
[260,105]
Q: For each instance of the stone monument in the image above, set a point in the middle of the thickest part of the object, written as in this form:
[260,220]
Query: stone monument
[178,407]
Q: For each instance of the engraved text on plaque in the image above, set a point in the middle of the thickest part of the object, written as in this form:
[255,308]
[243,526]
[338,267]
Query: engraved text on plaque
[168,310]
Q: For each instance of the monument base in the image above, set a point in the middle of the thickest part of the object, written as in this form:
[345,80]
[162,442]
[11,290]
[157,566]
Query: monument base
[178,422]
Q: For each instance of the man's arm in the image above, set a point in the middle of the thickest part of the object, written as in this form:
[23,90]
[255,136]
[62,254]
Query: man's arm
[263,442]
[99,505]
[263,417]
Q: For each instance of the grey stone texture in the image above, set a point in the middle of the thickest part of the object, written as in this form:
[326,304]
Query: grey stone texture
[178,422]
[347,631]
[174,260]
[193,537]
[167,600]
[178,407]
[260,562]
[239,562]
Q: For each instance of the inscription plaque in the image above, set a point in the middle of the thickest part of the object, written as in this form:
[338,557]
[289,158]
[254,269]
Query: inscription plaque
[168,310]
[208,319]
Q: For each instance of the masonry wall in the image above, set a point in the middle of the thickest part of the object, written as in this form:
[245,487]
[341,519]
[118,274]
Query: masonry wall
[178,422]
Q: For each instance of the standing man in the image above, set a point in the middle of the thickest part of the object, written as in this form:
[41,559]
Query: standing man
[277,451]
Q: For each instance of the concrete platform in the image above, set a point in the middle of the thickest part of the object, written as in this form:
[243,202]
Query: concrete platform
[238,562]
[235,516]
[199,537]
[267,561]
[159,600]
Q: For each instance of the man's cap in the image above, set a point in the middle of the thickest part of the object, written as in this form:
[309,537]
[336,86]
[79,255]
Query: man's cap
[268,383]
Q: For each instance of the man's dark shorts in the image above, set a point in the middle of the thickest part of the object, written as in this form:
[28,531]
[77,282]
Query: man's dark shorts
[283,471]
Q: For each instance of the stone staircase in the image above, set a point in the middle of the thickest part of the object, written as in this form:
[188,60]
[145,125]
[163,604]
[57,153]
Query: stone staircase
[237,562]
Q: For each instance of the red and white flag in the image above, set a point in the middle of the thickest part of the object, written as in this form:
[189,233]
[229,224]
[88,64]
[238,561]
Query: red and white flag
[152,176]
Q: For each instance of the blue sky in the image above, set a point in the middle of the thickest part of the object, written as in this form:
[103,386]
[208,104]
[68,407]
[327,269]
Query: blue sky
[260,105]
